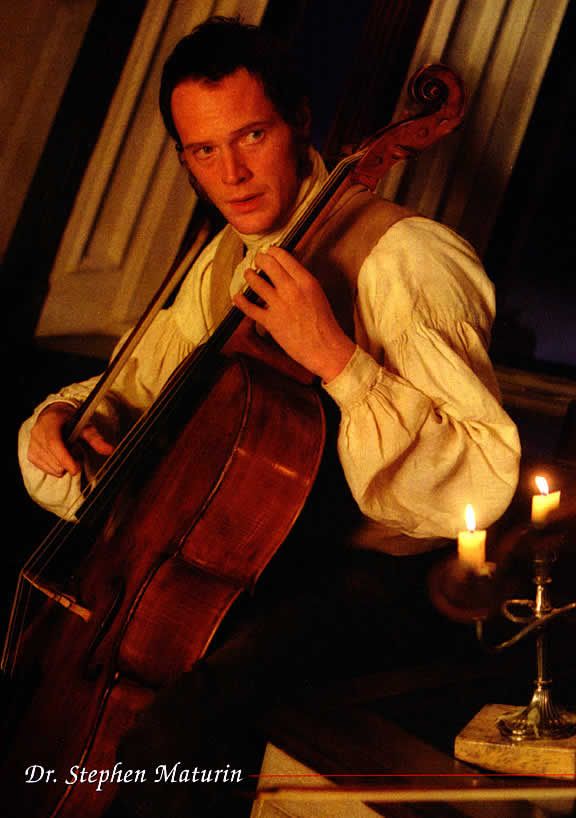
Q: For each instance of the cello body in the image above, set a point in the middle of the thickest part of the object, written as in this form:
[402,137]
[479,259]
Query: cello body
[167,571]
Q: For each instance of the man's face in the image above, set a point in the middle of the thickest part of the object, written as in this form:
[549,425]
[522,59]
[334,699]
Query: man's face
[239,149]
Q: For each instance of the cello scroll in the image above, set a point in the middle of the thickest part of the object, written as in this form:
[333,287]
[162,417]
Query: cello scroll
[440,92]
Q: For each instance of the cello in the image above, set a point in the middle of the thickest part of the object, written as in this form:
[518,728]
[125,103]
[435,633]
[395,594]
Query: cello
[163,542]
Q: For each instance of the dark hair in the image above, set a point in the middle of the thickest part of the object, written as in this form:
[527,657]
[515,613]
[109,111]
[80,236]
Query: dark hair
[221,45]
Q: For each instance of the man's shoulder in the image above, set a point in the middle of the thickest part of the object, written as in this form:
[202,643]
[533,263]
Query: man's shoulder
[426,272]
[354,226]
[360,207]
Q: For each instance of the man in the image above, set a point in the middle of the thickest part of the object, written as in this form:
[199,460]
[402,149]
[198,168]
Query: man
[421,432]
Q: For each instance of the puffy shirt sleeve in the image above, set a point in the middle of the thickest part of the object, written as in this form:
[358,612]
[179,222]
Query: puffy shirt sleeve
[422,429]
[172,335]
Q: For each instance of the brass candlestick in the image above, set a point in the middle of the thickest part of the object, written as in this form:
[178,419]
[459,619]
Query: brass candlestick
[541,718]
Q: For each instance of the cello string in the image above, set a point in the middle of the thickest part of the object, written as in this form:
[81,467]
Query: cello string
[16,624]
[11,625]
[91,495]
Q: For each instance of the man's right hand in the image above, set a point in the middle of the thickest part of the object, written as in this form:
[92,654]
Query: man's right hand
[47,450]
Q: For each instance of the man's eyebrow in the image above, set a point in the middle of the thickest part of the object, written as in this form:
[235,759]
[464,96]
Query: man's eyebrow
[251,126]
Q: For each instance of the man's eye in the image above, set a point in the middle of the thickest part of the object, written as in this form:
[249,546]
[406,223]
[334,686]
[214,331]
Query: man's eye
[254,136]
[203,152]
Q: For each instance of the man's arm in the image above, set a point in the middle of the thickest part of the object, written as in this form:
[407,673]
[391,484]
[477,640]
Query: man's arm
[51,472]
[422,430]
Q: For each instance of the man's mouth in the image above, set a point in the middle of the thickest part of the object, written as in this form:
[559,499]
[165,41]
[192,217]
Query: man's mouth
[245,202]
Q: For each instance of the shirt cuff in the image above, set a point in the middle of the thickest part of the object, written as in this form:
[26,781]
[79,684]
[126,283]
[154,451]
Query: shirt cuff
[52,399]
[355,381]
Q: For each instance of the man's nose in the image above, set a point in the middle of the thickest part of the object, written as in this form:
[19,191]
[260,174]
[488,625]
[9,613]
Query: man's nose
[233,168]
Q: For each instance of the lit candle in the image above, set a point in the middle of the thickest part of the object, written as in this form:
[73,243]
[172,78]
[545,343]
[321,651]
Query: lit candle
[543,503]
[472,543]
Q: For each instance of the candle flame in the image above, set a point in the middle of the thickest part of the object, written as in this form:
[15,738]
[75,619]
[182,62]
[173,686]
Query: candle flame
[470,518]
[542,484]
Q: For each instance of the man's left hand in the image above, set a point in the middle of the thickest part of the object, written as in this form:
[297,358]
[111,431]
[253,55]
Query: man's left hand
[297,314]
